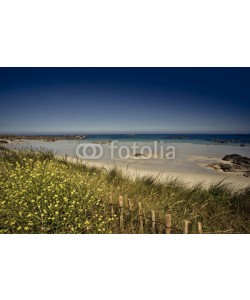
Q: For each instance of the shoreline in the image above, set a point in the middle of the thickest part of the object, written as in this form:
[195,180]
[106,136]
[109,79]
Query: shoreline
[189,179]
[242,140]
[191,164]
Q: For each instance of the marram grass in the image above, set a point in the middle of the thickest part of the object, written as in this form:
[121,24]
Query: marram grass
[42,194]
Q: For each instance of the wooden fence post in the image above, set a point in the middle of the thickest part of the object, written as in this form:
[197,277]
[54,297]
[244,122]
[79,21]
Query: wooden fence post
[140,218]
[121,212]
[168,224]
[199,227]
[186,225]
[129,205]
[130,209]
[153,220]
[111,206]
[145,218]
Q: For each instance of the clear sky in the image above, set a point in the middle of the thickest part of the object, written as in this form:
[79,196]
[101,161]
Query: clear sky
[125,100]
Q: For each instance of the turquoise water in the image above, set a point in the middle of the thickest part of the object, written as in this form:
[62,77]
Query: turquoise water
[175,138]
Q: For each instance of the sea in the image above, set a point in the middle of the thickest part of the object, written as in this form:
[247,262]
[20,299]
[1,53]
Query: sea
[174,138]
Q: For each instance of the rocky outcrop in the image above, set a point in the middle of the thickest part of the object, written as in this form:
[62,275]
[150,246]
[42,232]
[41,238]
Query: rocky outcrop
[235,168]
[231,157]
[224,141]
[3,142]
[237,163]
[234,163]
[237,159]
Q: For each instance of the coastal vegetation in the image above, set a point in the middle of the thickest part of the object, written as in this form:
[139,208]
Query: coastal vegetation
[40,193]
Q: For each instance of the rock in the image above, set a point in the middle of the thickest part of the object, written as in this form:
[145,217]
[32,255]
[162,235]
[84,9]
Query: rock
[215,166]
[226,167]
[236,163]
[225,141]
[231,157]
[237,159]
[242,145]
[4,142]
[241,168]
[235,168]
[138,155]
[242,160]
[180,137]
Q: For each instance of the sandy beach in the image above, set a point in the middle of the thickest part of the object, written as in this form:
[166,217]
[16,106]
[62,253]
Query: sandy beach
[191,163]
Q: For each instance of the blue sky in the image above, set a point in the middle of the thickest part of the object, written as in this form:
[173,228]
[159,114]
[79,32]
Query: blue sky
[125,100]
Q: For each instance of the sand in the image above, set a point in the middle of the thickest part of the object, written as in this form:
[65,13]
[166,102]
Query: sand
[187,177]
[191,163]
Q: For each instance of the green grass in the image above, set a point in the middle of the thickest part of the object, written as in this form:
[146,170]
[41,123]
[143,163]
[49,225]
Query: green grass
[43,194]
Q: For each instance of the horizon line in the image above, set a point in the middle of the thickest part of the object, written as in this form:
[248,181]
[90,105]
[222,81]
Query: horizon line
[117,133]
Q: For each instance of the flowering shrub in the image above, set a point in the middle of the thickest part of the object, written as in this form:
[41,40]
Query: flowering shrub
[50,197]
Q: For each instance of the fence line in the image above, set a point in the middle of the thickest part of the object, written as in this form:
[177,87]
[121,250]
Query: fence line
[139,214]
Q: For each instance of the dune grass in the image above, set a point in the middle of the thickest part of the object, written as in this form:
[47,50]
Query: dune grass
[43,194]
